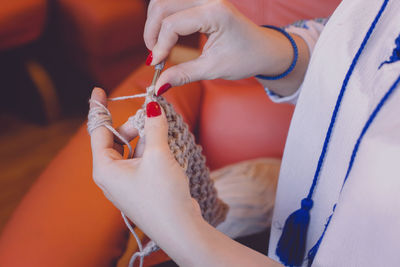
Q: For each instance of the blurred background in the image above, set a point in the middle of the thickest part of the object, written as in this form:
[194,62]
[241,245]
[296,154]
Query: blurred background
[52,53]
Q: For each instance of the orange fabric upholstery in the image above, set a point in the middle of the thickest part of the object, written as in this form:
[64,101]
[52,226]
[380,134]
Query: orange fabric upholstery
[66,221]
[21,21]
[104,37]
[282,12]
[239,122]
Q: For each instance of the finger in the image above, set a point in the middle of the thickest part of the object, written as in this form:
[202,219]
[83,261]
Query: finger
[127,131]
[101,137]
[157,11]
[139,149]
[191,71]
[183,23]
[155,128]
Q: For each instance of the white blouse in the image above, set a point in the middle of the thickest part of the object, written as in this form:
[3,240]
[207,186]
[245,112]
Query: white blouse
[365,228]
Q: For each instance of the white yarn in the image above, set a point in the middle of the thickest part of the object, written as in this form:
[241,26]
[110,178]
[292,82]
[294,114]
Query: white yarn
[101,116]
[127,97]
[140,253]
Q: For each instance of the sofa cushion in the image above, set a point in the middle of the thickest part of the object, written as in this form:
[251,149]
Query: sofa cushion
[21,21]
[283,12]
[239,122]
[103,37]
[102,27]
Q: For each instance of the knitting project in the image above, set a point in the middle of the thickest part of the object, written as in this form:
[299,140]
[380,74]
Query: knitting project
[187,153]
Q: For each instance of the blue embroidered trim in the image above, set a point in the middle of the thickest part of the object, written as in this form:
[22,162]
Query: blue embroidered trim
[340,97]
[303,23]
[314,249]
[288,246]
[395,55]
[300,24]
[295,55]
[270,93]
[322,21]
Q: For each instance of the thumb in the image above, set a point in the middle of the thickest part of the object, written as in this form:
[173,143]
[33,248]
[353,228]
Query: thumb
[156,128]
[183,73]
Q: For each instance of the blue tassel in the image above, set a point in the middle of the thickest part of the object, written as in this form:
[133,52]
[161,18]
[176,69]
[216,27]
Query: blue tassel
[292,244]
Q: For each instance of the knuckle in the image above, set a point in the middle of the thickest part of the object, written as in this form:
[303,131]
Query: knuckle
[183,76]
[157,8]
[220,4]
[222,8]
[167,25]
[149,39]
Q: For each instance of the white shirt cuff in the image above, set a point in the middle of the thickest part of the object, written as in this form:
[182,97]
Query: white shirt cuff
[292,99]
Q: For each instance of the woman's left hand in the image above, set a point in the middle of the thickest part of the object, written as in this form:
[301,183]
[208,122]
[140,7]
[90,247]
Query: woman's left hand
[151,189]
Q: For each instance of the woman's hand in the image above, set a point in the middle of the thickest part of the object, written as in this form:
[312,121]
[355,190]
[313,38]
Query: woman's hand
[236,47]
[151,189]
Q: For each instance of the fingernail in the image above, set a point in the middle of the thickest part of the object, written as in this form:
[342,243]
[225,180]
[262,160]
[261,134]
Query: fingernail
[153,109]
[163,89]
[149,59]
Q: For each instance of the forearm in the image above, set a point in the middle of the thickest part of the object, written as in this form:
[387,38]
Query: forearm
[280,55]
[196,243]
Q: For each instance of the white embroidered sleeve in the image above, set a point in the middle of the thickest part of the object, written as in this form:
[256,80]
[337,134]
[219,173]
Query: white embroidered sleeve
[309,30]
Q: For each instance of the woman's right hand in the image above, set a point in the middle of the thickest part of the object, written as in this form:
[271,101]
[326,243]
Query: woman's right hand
[236,47]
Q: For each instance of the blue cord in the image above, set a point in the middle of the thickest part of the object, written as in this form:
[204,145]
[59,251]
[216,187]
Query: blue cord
[295,55]
[339,100]
[314,249]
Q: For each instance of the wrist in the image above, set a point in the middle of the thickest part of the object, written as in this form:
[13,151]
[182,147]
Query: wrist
[187,235]
[279,54]
[281,50]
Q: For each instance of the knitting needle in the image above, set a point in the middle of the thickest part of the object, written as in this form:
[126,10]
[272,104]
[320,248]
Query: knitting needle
[158,68]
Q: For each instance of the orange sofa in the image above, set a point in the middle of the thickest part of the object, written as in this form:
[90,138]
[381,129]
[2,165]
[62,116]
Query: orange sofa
[21,21]
[104,38]
[64,220]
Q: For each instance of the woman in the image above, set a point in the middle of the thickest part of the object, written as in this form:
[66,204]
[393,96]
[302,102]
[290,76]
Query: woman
[340,167]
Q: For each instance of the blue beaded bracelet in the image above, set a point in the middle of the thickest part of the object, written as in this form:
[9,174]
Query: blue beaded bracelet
[295,57]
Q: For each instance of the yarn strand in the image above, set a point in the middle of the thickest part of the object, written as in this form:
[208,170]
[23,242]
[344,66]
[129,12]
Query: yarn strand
[101,116]
[128,97]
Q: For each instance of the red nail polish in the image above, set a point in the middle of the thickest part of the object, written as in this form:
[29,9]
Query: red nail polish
[163,89]
[153,109]
[149,59]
